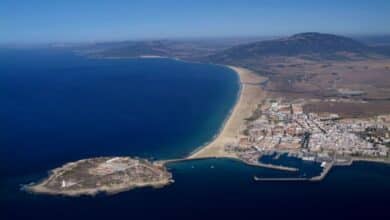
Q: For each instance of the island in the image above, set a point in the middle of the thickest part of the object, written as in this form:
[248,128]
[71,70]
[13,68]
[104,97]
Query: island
[102,174]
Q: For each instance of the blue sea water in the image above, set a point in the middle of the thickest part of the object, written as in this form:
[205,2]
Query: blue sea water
[58,107]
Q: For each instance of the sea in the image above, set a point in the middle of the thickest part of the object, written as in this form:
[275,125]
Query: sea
[58,106]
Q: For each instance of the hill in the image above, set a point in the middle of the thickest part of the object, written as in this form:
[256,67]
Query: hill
[314,65]
[134,49]
[245,51]
[307,45]
[189,49]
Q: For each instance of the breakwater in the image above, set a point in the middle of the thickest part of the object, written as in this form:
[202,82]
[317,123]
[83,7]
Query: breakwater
[320,177]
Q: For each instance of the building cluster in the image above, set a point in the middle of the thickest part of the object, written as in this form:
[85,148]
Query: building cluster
[285,127]
[116,164]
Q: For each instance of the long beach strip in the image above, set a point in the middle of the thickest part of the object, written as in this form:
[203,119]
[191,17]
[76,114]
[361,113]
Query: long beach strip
[250,95]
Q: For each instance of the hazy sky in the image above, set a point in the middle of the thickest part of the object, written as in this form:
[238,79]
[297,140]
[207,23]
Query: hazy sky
[29,21]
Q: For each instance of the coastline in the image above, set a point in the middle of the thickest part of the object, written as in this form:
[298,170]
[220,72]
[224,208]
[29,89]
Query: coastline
[244,76]
[370,160]
[216,135]
[211,149]
[91,169]
[249,95]
[38,189]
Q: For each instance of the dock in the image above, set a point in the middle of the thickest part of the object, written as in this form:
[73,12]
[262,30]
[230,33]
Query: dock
[324,172]
[275,167]
[282,179]
[164,162]
[318,178]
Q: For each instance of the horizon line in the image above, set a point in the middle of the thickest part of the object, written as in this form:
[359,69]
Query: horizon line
[183,38]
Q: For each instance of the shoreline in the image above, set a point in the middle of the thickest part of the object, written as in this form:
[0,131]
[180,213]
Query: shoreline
[239,71]
[248,96]
[35,188]
[370,160]
[196,153]
[91,170]
[216,135]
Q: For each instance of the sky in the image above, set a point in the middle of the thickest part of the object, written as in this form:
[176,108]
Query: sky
[43,21]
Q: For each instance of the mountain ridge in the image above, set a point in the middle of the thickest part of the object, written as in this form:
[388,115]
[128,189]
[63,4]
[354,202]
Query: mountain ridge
[320,45]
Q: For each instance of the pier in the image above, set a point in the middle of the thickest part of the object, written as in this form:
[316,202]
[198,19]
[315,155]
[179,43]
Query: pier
[324,172]
[257,164]
[275,167]
[178,160]
[318,178]
[282,179]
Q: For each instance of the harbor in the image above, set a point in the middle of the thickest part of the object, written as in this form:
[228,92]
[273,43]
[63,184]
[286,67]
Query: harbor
[326,169]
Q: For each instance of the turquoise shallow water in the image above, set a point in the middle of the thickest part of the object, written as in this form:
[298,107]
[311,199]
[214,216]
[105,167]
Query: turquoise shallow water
[58,107]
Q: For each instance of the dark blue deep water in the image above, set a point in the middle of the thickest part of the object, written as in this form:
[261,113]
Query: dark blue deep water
[57,107]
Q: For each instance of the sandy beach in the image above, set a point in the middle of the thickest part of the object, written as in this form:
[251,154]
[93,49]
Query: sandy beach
[250,95]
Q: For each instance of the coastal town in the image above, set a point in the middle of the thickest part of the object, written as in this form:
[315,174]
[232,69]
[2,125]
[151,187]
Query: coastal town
[278,126]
